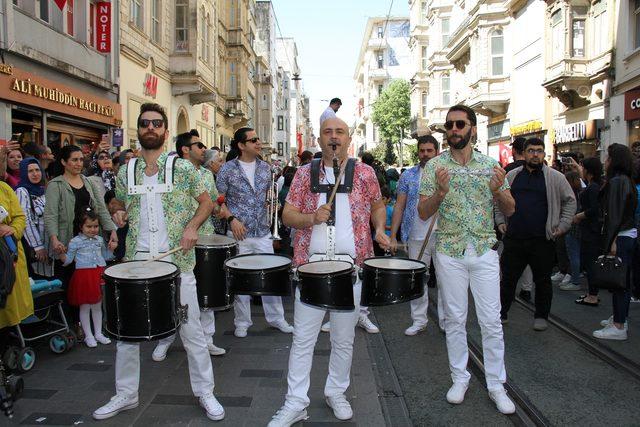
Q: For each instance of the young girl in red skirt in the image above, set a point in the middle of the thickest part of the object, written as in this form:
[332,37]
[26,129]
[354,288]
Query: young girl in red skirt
[90,254]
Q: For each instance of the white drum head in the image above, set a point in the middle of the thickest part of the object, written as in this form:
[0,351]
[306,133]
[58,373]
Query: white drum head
[215,240]
[140,270]
[325,267]
[394,263]
[257,262]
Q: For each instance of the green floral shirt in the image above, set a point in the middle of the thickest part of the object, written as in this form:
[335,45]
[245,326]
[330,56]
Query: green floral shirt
[179,206]
[466,213]
[210,184]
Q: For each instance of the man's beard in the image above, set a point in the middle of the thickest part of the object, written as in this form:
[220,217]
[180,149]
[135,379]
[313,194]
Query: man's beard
[464,140]
[534,166]
[150,141]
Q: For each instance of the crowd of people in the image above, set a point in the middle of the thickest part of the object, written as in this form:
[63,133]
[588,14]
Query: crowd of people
[475,225]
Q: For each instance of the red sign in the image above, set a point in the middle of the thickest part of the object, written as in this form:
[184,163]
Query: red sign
[632,104]
[150,85]
[299,141]
[61,3]
[505,155]
[103,26]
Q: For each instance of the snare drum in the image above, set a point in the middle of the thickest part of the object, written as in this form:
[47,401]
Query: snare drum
[142,302]
[391,280]
[259,274]
[327,284]
[212,286]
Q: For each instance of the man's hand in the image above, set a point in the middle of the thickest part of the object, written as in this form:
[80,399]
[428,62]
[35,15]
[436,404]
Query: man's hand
[556,233]
[614,249]
[6,230]
[442,180]
[41,255]
[502,228]
[497,180]
[383,240]
[393,245]
[113,241]
[120,218]
[238,229]
[57,246]
[63,258]
[322,214]
[189,239]
[577,219]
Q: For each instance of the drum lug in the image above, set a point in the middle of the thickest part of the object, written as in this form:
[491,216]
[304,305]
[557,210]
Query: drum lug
[377,278]
[118,322]
[206,255]
[262,276]
[183,313]
[413,273]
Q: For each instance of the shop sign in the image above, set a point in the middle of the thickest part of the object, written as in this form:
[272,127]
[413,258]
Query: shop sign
[103,26]
[632,105]
[150,85]
[573,132]
[118,137]
[525,128]
[25,88]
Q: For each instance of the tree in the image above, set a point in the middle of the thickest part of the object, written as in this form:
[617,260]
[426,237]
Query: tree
[390,157]
[392,111]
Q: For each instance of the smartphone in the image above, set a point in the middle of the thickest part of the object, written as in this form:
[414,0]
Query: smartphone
[565,160]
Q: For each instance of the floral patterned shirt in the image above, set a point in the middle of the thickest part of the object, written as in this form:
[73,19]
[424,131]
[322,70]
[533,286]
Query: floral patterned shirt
[365,192]
[409,184]
[244,201]
[210,184]
[466,213]
[179,206]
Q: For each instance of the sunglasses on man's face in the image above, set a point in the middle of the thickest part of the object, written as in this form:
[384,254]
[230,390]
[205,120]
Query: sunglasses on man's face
[252,140]
[144,123]
[200,145]
[460,124]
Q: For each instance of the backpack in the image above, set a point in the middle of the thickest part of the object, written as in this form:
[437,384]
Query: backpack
[8,259]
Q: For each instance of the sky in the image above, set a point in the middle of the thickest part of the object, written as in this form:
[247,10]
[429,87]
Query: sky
[328,34]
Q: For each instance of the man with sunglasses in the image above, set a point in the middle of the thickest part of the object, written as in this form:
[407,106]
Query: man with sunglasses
[166,203]
[244,182]
[462,186]
[545,206]
[189,147]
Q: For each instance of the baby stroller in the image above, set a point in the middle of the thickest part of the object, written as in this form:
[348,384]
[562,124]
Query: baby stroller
[48,321]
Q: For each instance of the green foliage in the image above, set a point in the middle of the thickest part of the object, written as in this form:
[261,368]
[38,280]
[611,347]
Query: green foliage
[390,157]
[392,111]
[378,152]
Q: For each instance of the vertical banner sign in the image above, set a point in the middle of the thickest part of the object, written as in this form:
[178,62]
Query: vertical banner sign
[61,3]
[505,155]
[117,137]
[103,27]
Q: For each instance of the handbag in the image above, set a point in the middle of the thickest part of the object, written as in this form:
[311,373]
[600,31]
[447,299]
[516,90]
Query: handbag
[610,273]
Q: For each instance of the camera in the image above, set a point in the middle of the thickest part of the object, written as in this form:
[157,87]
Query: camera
[565,160]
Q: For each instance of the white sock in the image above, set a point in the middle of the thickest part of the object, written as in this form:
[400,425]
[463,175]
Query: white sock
[85,321]
[96,315]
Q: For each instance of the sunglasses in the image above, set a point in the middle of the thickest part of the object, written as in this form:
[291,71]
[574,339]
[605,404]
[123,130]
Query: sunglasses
[144,123]
[199,145]
[460,124]
[253,140]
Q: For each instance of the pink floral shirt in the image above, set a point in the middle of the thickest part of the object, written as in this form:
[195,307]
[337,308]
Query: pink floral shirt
[365,192]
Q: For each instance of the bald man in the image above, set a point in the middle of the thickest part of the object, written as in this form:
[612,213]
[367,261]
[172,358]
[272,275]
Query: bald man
[308,212]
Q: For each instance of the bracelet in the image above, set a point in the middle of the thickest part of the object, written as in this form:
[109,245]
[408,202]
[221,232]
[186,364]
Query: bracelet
[229,219]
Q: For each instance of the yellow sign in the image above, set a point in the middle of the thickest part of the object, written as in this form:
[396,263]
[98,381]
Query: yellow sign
[528,127]
[6,69]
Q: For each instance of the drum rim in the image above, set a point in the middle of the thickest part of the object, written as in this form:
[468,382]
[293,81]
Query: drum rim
[349,270]
[175,273]
[254,271]
[409,270]
[232,245]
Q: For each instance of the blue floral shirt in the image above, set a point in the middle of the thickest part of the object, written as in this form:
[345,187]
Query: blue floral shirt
[246,202]
[409,184]
[88,252]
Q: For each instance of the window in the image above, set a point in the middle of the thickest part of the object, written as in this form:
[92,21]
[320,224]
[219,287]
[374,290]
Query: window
[92,24]
[42,10]
[182,25]
[380,58]
[557,36]
[424,58]
[636,14]
[380,89]
[600,28]
[280,123]
[69,17]
[233,80]
[424,105]
[577,38]
[205,39]
[136,16]
[445,31]
[156,10]
[445,89]
[424,13]
[497,52]
[380,32]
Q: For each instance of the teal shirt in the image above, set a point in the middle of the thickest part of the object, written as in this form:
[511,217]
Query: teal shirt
[466,213]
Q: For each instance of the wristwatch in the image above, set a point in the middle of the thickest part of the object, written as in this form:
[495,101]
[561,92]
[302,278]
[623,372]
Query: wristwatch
[230,218]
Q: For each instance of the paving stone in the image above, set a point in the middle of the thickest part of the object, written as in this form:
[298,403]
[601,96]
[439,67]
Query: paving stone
[33,393]
[262,373]
[51,419]
[89,367]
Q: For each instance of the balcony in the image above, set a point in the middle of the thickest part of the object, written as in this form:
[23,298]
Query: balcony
[459,41]
[375,43]
[490,95]
[190,76]
[378,74]
[237,38]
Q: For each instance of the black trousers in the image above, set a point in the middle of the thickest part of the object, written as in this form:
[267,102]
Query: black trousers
[537,252]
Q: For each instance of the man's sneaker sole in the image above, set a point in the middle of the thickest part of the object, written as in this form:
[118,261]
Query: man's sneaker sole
[114,413]
[211,416]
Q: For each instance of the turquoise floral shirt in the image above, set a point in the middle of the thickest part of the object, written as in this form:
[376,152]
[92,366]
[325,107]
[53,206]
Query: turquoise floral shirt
[466,213]
[210,184]
[179,206]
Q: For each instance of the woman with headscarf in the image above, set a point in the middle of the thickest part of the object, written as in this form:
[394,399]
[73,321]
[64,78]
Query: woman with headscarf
[14,157]
[102,167]
[31,196]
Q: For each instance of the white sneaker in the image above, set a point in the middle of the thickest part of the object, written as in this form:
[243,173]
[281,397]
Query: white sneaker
[212,407]
[326,327]
[502,401]
[341,407]
[557,277]
[160,352]
[610,332]
[240,332]
[215,350]
[90,341]
[414,329]
[286,417]
[102,339]
[569,287]
[367,325]
[609,321]
[456,393]
[283,326]
[117,404]
[566,280]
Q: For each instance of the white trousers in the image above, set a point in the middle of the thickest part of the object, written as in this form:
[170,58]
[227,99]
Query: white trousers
[419,306]
[208,322]
[200,369]
[272,305]
[307,322]
[482,275]
[526,280]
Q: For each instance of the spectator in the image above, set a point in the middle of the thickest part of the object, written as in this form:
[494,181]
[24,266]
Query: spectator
[572,238]
[305,157]
[114,205]
[102,167]
[31,196]
[125,156]
[14,157]
[619,200]
[590,226]
[517,150]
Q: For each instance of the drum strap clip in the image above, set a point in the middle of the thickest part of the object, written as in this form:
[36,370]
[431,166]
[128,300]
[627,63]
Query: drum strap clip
[183,313]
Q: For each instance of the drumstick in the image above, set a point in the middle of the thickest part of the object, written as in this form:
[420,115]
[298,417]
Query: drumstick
[335,188]
[159,257]
[426,239]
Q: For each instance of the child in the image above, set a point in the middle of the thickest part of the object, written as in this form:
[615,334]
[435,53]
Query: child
[89,251]
[388,203]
